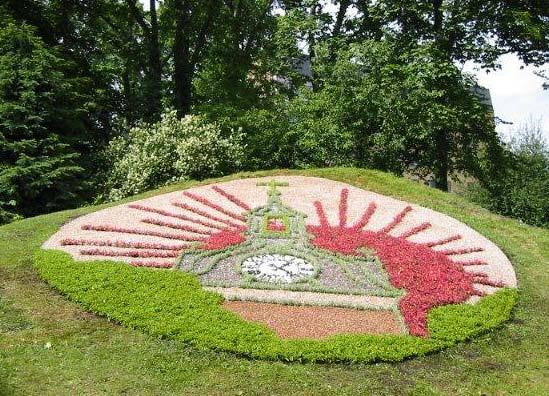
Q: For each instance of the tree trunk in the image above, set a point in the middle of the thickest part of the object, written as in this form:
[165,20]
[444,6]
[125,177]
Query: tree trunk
[442,146]
[183,69]
[311,43]
[186,57]
[338,25]
[153,78]
[441,163]
[155,66]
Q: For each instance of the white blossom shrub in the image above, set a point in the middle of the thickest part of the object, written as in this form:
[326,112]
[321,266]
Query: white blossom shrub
[170,150]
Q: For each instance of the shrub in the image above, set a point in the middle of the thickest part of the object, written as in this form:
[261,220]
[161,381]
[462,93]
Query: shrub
[523,191]
[170,150]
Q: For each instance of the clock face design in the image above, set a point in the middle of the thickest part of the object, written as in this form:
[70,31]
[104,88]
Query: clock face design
[277,268]
[300,241]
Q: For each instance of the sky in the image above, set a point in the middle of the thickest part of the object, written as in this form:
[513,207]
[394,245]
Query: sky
[517,94]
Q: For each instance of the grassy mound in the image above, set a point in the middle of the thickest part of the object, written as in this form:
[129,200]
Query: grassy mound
[32,314]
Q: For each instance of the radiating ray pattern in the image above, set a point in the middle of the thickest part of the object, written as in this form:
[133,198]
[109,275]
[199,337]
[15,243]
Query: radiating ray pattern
[431,278]
[206,223]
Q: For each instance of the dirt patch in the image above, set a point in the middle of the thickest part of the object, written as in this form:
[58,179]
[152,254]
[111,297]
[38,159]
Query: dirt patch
[290,321]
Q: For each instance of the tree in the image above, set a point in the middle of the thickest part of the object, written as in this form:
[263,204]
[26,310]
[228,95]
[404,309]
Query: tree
[240,53]
[38,168]
[150,31]
[85,37]
[189,24]
[457,31]
[523,189]
[469,30]
[384,108]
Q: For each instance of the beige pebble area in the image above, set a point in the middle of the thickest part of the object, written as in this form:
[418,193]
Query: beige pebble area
[289,297]
[300,194]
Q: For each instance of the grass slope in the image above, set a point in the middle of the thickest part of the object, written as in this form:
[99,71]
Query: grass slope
[50,346]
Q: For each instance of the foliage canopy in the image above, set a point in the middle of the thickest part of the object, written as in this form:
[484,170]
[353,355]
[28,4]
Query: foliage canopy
[311,83]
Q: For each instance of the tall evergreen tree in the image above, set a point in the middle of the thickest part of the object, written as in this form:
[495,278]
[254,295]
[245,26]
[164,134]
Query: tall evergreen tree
[38,168]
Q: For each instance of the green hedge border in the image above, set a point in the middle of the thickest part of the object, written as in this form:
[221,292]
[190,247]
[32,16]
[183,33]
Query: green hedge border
[172,304]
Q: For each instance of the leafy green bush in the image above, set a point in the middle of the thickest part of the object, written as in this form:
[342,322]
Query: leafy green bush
[170,150]
[523,190]
[172,304]
[378,106]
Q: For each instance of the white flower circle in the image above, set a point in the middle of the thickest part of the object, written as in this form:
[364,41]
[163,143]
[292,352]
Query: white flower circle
[277,268]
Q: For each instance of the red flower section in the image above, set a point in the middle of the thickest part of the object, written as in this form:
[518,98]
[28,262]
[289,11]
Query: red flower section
[429,277]
[216,231]
[151,264]
[275,225]
[121,244]
[130,253]
[223,239]
[231,198]
[134,231]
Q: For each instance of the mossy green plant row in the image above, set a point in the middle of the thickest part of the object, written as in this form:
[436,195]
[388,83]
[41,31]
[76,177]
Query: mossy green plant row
[172,304]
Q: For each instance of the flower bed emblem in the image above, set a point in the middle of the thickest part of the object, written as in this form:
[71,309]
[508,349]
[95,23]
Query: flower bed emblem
[301,244]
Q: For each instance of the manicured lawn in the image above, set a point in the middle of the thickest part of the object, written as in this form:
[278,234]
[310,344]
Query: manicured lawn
[48,345]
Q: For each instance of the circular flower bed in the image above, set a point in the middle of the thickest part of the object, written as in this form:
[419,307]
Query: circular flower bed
[260,256]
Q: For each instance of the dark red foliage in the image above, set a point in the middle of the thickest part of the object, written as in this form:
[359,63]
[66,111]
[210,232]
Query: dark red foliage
[452,252]
[135,231]
[213,205]
[416,230]
[182,227]
[151,264]
[176,216]
[276,225]
[120,244]
[232,198]
[443,241]
[223,239]
[130,253]
[430,278]
[205,214]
